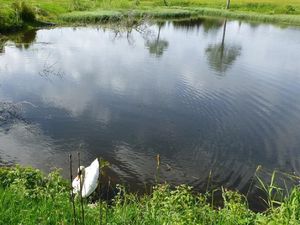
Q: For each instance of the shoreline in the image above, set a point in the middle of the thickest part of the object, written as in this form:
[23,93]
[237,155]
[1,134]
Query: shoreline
[29,196]
[92,17]
[100,16]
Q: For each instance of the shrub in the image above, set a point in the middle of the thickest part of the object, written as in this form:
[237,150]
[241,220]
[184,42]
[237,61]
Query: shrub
[290,9]
[23,11]
[32,182]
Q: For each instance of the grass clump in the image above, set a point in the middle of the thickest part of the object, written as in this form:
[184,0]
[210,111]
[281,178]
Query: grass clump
[92,17]
[23,11]
[16,15]
[32,183]
[29,197]
[250,16]
[113,16]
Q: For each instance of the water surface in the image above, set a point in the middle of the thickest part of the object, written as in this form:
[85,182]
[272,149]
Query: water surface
[207,95]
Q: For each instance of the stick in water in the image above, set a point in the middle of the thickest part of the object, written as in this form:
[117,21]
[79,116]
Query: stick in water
[157,168]
[108,186]
[81,185]
[99,186]
[72,194]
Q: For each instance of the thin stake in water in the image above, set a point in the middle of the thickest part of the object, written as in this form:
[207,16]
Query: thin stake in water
[208,181]
[99,187]
[72,194]
[81,185]
[108,186]
[157,168]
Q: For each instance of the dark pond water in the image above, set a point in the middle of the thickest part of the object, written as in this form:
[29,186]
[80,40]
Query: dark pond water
[204,94]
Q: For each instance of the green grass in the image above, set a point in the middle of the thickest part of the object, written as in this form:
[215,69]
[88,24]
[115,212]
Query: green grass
[175,12]
[92,17]
[252,16]
[29,197]
[116,15]
[61,11]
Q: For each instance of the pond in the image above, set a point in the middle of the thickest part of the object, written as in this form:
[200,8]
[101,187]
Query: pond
[209,96]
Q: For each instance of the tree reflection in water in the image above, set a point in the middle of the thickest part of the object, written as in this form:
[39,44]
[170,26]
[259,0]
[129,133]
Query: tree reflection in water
[125,28]
[157,46]
[221,56]
[2,43]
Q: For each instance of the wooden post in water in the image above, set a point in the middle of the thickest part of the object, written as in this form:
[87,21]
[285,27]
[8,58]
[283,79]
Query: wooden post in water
[81,186]
[99,187]
[157,168]
[72,194]
[107,191]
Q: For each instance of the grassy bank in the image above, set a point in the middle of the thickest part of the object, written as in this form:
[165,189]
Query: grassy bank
[19,13]
[176,12]
[29,197]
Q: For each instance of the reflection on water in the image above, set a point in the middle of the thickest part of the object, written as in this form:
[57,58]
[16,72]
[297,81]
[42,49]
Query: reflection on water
[196,24]
[102,89]
[24,40]
[157,46]
[2,44]
[221,56]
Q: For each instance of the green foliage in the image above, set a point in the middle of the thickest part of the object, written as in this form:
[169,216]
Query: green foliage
[274,193]
[174,12]
[236,209]
[31,182]
[23,11]
[81,5]
[16,13]
[92,17]
[27,196]
[8,20]
[290,9]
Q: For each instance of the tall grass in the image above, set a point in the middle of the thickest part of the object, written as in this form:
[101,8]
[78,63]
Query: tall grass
[14,16]
[175,12]
[17,13]
[29,197]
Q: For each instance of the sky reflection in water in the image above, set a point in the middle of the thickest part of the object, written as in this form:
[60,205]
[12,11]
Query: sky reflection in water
[204,94]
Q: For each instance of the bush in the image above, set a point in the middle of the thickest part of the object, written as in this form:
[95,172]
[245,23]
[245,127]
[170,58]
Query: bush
[32,182]
[290,9]
[27,13]
[23,11]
